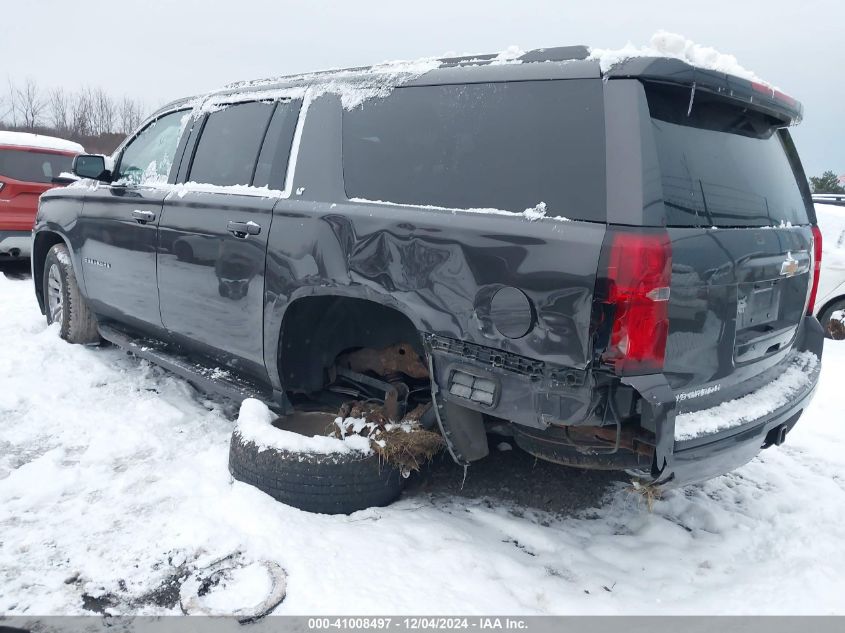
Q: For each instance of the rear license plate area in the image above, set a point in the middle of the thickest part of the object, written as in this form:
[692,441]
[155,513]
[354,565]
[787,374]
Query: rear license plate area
[758,304]
[761,326]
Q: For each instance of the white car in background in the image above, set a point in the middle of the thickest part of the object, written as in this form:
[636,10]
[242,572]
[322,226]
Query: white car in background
[831,294]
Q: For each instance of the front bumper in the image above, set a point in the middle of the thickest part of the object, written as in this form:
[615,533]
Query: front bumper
[15,244]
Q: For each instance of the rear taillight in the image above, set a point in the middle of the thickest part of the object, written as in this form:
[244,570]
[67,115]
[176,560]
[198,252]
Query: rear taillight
[816,269]
[639,269]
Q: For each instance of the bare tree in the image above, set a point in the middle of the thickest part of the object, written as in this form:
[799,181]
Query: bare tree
[59,109]
[30,104]
[104,112]
[130,115]
[82,113]
[12,103]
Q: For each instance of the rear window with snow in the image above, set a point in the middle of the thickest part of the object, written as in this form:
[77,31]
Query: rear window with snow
[722,165]
[30,166]
[503,146]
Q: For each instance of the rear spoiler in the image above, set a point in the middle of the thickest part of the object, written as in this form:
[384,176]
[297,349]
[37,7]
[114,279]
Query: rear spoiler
[667,70]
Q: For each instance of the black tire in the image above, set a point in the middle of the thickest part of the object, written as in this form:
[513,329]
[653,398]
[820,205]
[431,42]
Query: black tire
[183,252]
[338,483]
[824,315]
[77,324]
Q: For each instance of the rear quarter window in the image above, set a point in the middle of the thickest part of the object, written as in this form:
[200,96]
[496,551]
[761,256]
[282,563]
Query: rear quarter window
[496,145]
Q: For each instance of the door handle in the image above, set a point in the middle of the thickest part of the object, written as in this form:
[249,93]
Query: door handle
[242,229]
[143,216]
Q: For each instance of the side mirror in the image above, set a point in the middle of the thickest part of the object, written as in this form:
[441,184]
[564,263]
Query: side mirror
[91,166]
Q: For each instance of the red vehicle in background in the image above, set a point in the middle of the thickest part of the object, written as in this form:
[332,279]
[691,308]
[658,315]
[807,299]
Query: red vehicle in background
[30,164]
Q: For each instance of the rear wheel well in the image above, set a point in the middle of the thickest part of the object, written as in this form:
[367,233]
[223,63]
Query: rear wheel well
[316,330]
[44,241]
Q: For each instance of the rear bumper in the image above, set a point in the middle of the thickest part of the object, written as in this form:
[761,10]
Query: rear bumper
[678,463]
[536,404]
[15,244]
[701,459]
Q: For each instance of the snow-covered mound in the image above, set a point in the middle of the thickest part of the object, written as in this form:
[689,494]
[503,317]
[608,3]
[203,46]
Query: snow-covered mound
[40,141]
[255,425]
[666,44]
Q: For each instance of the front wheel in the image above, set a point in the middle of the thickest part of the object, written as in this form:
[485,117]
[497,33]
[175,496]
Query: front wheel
[65,304]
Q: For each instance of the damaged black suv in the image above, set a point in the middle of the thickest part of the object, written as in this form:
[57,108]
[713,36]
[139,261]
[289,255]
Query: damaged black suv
[618,268]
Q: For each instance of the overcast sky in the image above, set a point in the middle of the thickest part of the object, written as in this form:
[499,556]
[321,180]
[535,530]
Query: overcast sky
[159,50]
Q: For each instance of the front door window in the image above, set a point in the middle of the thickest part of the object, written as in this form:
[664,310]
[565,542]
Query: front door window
[147,159]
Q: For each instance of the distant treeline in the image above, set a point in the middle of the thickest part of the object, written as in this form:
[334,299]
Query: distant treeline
[88,116]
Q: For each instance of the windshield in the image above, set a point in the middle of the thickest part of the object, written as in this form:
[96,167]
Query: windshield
[32,166]
[722,165]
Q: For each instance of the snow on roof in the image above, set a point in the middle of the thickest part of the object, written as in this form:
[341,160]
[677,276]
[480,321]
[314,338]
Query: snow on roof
[41,141]
[357,85]
[353,85]
[666,44]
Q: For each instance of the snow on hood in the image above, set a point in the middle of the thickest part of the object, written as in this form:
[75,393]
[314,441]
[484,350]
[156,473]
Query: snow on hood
[255,424]
[672,45]
[41,141]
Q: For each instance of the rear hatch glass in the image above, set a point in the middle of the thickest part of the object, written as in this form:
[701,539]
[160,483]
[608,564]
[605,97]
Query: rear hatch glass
[33,166]
[737,216]
[722,165]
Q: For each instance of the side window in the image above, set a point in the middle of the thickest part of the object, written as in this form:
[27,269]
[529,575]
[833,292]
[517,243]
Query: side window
[148,157]
[273,160]
[228,148]
[497,145]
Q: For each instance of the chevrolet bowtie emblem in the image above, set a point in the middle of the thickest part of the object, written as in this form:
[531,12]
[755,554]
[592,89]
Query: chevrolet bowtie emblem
[790,266]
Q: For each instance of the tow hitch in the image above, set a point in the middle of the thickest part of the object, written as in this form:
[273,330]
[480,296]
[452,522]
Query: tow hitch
[776,436]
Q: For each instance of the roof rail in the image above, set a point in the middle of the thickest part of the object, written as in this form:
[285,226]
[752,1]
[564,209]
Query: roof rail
[554,54]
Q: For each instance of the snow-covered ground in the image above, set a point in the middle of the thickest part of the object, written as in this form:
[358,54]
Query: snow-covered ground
[113,478]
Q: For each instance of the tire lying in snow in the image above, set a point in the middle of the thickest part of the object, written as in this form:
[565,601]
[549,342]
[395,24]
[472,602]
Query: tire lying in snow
[327,483]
